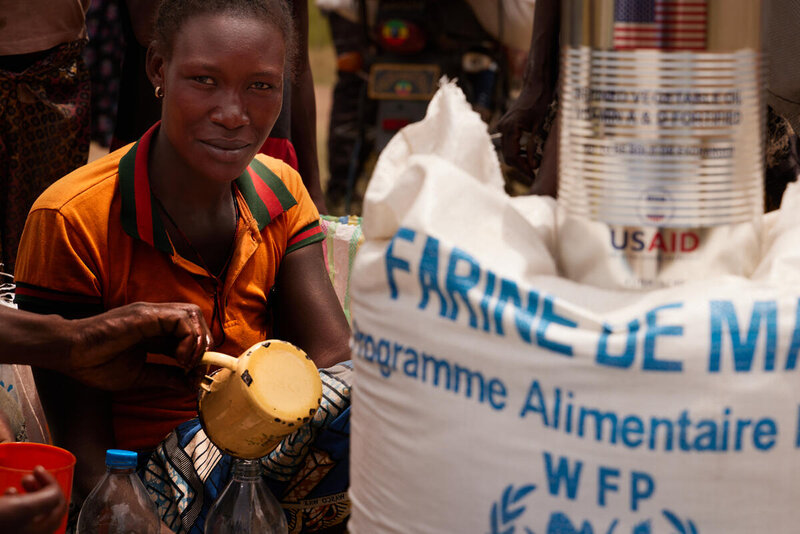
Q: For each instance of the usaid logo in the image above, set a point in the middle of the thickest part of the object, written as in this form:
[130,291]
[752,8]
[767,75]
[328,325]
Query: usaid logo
[667,241]
[655,206]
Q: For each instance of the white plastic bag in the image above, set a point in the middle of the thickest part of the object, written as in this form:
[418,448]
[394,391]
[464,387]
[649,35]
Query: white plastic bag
[18,384]
[495,397]
[343,236]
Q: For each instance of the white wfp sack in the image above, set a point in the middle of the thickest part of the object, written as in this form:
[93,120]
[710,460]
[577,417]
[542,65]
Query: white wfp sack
[494,397]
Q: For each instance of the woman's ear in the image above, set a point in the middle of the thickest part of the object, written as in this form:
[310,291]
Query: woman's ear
[154,64]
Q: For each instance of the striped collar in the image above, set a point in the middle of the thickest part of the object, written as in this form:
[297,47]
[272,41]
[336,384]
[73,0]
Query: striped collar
[265,194]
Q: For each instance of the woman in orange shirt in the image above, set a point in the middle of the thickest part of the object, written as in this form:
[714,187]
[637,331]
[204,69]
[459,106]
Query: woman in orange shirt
[187,214]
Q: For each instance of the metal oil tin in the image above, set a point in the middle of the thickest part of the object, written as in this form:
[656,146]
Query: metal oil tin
[661,147]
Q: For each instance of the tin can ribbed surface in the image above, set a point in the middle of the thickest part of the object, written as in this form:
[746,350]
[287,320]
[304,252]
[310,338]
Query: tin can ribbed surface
[661,145]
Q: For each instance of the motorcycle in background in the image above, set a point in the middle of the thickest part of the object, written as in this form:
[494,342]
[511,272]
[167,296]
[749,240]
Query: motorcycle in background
[415,43]
[409,46]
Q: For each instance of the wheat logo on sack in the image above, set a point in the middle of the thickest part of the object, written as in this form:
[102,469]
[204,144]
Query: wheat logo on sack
[507,514]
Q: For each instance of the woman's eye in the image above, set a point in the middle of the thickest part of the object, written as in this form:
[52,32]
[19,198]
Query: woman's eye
[205,80]
[262,86]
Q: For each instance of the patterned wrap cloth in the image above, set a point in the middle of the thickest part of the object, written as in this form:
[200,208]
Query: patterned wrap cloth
[44,134]
[307,472]
[103,56]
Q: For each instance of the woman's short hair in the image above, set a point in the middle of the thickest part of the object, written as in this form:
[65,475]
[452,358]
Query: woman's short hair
[173,14]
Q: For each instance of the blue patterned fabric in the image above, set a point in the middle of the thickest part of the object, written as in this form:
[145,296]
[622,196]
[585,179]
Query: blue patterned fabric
[307,472]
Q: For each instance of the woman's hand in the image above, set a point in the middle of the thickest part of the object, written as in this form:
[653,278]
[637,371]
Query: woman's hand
[109,350]
[524,118]
[39,511]
[531,109]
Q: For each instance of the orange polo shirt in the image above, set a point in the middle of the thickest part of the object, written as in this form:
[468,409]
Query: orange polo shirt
[94,241]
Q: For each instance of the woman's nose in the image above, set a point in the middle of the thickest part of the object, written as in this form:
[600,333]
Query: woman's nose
[230,111]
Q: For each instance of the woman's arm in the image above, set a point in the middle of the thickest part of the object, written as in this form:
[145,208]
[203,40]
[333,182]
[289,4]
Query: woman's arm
[104,351]
[308,312]
[107,351]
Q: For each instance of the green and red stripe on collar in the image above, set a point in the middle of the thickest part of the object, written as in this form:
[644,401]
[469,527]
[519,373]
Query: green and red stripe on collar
[266,195]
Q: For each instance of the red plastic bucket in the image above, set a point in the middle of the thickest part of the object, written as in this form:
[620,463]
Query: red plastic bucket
[19,459]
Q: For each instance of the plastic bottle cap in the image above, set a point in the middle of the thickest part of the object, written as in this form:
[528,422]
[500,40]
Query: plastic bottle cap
[121,459]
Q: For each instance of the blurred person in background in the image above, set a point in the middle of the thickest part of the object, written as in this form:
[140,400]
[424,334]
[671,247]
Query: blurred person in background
[348,95]
[44,105]
[783,98]
[103,56]
[531,118]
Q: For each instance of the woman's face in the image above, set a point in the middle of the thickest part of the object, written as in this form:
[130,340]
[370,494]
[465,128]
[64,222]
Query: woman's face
[223,86]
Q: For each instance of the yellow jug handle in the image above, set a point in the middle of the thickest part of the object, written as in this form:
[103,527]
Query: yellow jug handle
[220,360]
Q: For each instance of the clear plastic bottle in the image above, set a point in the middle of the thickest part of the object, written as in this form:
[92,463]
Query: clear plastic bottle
[119,504]
[246,505]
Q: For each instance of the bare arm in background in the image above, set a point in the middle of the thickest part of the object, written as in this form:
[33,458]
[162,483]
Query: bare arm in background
[304,111]
[539,86]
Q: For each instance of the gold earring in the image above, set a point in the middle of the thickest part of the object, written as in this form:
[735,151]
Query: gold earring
[159,92]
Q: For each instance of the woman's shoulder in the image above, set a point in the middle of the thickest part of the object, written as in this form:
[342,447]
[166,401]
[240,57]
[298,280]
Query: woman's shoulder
[91,187]
[291,183]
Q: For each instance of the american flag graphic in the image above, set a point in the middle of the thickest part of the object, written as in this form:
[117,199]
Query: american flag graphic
[660,24]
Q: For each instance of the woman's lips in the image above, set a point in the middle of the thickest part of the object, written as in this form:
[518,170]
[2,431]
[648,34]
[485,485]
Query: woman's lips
[226,149]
